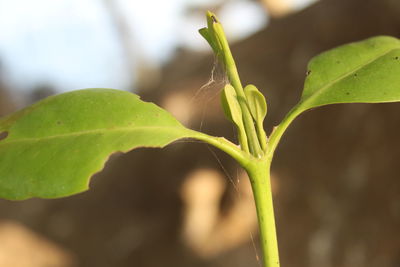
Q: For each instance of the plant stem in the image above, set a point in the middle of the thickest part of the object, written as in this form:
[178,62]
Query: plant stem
[257,164]
[279,130]
[233,77]
[259,174]
[219,142]
[262,136]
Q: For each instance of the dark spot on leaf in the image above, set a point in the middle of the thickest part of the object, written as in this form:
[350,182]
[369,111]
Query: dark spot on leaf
[355,74]
[396,58]
[308,72]
[59,122]
[214,19]
[347,93]
[3,135]
[338,62]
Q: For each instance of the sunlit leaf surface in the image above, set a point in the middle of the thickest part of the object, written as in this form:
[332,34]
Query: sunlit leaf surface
[361,72]
[52,148]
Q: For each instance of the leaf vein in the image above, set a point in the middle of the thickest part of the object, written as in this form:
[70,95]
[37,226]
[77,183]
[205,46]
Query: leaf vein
[97,131]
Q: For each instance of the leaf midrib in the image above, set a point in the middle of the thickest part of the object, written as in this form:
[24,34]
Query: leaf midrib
[96,131]
[322,89]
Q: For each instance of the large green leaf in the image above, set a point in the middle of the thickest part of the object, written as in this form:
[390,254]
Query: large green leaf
[52,148]
[362,72]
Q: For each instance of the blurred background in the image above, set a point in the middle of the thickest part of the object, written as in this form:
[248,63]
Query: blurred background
[336,177]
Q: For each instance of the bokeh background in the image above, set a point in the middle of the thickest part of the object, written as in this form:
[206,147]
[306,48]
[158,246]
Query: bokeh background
[336,174]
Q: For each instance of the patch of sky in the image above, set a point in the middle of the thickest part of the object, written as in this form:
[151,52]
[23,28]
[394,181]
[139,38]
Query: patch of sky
[72,44]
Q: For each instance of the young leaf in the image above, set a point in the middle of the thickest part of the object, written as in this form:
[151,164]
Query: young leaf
[231,105]
[232,110]
[258,109]
[206,35]
[363,72]
[257,103]
[52,148]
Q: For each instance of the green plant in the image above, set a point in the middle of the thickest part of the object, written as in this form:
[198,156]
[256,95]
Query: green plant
[52,148]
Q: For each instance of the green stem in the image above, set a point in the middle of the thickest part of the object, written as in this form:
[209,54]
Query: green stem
[230,67]
[278,131]
[234,79]
[219,142]
[242,139]
[262,136]
[257,164]
[252,138]
[259,174]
